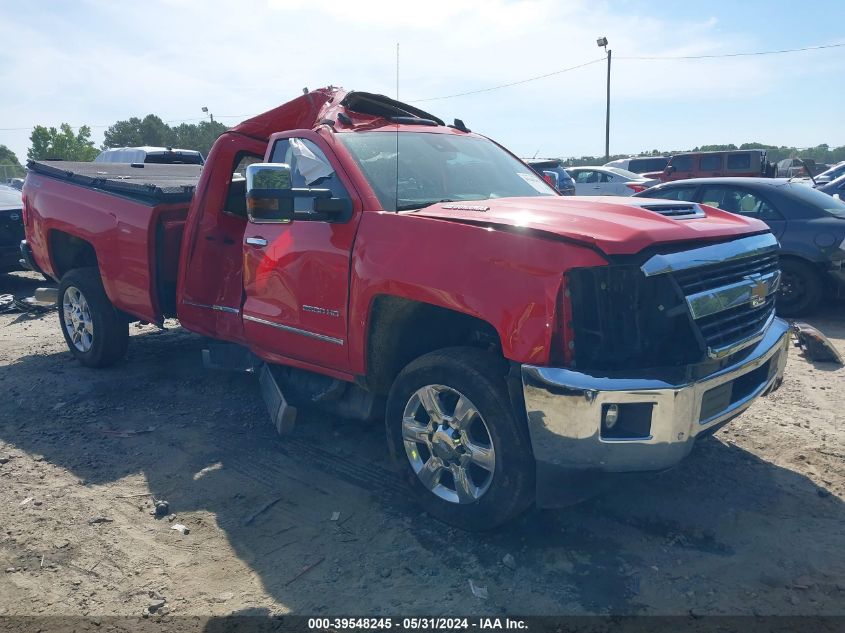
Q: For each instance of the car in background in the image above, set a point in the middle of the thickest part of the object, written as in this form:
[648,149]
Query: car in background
[153,155]
[734,163]
[648,166]
[565,185]
[798,168]
[15,183]
[830,174]
[809,225]
[835,188]
[608,181]
[11,228]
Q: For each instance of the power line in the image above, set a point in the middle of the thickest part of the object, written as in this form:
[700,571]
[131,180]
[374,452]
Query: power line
[643,58]
[513,83]
[521,81]
[751,54]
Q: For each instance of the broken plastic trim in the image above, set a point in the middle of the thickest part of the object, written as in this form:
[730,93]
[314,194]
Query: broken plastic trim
[385,107]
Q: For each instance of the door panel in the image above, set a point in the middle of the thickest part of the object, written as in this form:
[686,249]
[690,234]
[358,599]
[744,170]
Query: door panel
[211,291]
[296,286]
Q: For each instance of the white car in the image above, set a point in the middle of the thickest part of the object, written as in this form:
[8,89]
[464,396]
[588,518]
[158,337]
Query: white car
[608,181]
[147,154]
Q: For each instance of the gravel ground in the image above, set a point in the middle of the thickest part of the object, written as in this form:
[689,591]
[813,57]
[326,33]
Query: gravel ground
[751,523]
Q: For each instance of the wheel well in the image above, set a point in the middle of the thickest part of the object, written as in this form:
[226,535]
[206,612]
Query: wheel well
[68,251]
[401,330]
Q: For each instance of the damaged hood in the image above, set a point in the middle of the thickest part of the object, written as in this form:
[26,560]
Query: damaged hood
[616,226]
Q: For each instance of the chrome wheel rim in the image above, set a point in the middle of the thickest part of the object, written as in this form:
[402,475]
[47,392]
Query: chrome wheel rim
[448,444]
[78,322]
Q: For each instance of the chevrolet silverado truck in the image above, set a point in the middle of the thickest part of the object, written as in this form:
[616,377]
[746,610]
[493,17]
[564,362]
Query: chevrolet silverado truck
[384,265]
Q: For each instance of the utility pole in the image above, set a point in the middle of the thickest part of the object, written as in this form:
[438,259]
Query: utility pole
[602,42]
[210,116]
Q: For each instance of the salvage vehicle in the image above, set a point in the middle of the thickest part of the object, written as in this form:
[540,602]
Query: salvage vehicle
[376,262]
[734,163]
[646,166]
[608,181]
[562,181]
[147,154]
[809,225]
[11,229]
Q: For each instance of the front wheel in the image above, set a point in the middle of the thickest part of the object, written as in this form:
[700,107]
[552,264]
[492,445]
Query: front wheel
[95,332]
[453,434]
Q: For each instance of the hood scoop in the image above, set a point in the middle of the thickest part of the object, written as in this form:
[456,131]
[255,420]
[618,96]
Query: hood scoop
[676,211]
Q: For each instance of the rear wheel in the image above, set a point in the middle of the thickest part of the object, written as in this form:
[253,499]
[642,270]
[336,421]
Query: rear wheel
[95,332]
[453,434]
[801,288]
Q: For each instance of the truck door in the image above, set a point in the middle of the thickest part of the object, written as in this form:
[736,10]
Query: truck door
[296,275]
[211,273]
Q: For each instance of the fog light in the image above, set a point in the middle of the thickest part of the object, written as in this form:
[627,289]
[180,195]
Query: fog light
[611,415]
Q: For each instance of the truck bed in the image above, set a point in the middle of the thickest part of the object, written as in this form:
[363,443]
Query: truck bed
[131,218]
[150,183]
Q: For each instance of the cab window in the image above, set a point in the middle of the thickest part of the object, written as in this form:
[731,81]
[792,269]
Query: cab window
[309,167]
[682,163]
[235,203]
[711,162]
[673,193]
[586,176]
[739,161]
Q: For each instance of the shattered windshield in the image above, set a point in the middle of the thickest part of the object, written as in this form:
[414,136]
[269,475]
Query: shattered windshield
[438,168]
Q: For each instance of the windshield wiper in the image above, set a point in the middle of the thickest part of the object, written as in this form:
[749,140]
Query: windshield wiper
[419,205]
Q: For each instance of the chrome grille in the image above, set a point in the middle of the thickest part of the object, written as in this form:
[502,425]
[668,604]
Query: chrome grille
[724,327]
[729,289]
[708,277]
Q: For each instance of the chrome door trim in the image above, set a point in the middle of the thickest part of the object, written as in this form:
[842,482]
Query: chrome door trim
[255,241]
[212,307]
[295,330]
[707,255]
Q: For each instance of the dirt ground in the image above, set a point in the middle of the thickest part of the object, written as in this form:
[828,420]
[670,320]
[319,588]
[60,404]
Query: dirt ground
[751,523]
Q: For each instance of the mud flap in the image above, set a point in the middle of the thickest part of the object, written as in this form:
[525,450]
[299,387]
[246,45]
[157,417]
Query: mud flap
[282,415]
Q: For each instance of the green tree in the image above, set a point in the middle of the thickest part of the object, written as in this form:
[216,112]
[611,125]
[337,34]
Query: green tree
[61,144]
[135,132]
[198,136]
[151,130]
[10,167]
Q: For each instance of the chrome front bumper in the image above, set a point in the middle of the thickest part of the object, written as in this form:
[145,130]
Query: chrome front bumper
[564,410]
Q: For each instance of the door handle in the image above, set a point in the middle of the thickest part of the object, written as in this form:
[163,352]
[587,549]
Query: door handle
[256,241]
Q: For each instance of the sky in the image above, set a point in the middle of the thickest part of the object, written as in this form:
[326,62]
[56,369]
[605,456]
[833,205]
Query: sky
[97,61]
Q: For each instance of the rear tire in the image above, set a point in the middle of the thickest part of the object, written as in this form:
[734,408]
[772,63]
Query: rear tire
[95,332]
[472,466]
[801,288]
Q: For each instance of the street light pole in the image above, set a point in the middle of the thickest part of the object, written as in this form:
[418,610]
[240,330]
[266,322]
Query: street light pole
[602,43]
[607,116]
[210,116]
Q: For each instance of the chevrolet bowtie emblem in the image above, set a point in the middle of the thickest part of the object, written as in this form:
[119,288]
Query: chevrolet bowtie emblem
[759,292]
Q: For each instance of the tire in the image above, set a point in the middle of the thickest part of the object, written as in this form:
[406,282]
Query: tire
[490,436]
[801,288]
[95,332]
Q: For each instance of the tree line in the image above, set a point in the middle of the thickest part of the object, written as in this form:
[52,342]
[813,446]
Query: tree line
[63,143]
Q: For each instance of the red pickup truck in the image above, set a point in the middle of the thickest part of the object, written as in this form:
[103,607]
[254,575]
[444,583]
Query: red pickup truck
[383,264]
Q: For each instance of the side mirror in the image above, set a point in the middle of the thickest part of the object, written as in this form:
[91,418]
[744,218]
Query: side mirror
[552,178]
[670,169]
[269,196]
